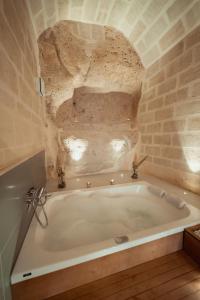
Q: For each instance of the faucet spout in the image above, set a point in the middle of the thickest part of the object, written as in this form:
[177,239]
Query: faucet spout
[135,167]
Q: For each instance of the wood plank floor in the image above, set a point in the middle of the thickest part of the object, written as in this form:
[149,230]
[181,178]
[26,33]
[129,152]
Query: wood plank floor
[171,277]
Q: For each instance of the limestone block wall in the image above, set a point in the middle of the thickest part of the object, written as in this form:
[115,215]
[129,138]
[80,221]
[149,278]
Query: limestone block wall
[21,112]
[169,114]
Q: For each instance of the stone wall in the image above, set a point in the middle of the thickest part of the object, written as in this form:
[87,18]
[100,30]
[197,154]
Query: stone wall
[105,64]
[97,132]
[169,115]
[92,93]
[21,110]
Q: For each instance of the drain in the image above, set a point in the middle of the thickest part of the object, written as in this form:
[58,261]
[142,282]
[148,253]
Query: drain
[121,239]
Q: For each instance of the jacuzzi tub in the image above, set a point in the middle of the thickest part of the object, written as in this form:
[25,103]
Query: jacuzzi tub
[89,223]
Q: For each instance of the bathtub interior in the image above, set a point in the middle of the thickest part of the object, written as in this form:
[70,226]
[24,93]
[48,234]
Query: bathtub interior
[86,224]
[86,217]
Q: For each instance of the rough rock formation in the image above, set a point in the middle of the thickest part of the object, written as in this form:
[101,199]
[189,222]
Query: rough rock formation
[105,63]
[92,92]
[98,131]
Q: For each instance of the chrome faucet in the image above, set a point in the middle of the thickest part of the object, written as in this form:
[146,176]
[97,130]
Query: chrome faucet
[34,196]
[135,167]
[37,197]
[31,195]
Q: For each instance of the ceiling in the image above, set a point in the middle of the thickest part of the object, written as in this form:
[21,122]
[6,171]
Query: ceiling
[152,26]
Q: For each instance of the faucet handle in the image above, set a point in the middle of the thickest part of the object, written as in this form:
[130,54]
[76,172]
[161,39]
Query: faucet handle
[30,196]
[31,192]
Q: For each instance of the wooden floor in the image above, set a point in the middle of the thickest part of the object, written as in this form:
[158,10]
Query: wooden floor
[175,276]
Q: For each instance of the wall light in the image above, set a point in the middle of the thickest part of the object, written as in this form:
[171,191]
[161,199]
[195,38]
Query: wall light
[192,157]
[76,147]
[194,165]
[117,145]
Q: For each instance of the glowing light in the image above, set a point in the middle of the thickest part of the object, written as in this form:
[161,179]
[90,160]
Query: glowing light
[76,147]
[194,165]
[121,175]
[117,145]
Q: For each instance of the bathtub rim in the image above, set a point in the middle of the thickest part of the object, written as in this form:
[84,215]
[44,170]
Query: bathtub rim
[17,276]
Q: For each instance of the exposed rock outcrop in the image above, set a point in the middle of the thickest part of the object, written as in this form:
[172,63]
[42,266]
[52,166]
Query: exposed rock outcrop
[104,64]
[92,92]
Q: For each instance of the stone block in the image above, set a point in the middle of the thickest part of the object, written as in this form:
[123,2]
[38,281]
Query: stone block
[154,128]
[172,53]
[177,96]
[172,152]
[174,126]
[194,123]
[172,36]
[193,38]
[183,62]
[162,139]
[177,8]
[192,16]
[155,104]
[146,139]
[164,114]
[168,85]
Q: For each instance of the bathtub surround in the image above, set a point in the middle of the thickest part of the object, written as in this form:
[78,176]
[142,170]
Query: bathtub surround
[149,214]
[169,115]
[140,282]
[14,218]
[50,285]
[21,111]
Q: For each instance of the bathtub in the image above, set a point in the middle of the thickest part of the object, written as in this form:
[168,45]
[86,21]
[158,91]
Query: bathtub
[86,224]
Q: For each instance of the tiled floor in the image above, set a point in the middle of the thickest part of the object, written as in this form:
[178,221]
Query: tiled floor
[172,277]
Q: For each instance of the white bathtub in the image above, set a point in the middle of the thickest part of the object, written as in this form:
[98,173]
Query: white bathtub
[89,223]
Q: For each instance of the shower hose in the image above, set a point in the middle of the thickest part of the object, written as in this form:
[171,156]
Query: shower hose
[40,201]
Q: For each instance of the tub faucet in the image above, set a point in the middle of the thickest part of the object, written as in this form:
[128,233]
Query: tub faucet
[135,167]
[61,182]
